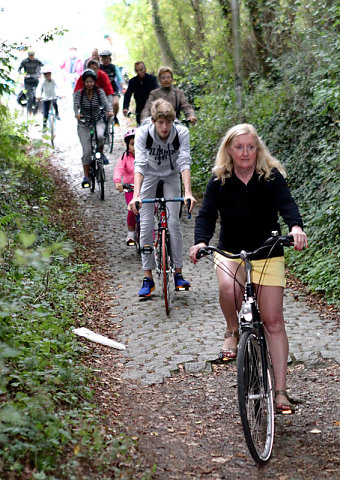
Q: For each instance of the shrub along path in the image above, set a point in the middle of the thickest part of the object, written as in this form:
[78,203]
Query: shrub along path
[186,423]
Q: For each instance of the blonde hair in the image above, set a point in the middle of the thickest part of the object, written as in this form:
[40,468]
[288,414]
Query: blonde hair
[265,162]
[165,70]
[162,109]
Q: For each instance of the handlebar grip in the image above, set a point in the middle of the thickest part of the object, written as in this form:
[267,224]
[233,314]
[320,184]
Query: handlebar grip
[288,241]
[188,207]
[137,205]
[202,252]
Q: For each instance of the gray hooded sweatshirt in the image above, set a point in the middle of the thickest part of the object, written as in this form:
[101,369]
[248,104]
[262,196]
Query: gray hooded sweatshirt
[161,158]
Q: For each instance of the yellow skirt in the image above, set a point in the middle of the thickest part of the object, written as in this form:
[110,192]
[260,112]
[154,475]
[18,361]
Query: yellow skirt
[269,271]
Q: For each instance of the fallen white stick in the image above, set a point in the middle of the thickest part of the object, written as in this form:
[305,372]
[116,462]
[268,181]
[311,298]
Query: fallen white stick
[94,337]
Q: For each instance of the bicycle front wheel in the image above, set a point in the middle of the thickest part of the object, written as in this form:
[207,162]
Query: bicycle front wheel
[112,137]
[92,176]
[101,180]
[52,122]
[166,272]
[255,404]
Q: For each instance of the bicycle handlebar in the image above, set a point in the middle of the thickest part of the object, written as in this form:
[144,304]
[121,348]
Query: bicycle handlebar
[284,240]
[165,200]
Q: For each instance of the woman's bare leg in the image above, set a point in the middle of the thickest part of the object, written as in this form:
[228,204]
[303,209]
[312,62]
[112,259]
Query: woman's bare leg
[271,307]
[230,297]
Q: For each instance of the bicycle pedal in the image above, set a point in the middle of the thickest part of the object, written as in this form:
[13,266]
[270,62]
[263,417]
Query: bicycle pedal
[131,243]
[146,249]
[182,289]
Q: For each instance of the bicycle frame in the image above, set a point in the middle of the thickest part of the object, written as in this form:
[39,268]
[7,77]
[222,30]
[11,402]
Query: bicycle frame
[162,248]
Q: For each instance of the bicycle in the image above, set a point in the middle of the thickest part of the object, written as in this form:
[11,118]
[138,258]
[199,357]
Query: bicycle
[97,172]
[162,249]
[129,187]
[255,382]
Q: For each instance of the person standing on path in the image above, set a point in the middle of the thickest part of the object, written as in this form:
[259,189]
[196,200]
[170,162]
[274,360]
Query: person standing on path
[173,95]
[140,86]
[248,190]
[162,152]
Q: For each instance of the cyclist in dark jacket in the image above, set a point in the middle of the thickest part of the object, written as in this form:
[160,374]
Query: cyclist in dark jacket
[140,86]
[32,68]
[248,191]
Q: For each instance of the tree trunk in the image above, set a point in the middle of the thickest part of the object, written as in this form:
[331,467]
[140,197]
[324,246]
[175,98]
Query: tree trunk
[261,16]
[235,17]
[199,24]
[162,39]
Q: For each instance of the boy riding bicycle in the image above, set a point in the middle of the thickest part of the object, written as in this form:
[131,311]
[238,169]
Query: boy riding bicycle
[162,152]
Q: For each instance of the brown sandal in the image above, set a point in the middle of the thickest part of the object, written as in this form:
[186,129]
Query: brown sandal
[284,408]
[230,354]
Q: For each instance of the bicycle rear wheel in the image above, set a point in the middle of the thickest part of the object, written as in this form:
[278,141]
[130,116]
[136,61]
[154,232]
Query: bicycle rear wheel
[165,272]
[101,180]
[255,404]
[112,137]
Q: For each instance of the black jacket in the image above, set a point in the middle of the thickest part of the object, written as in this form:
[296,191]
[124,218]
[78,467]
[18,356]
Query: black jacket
[141,90]
[249,213]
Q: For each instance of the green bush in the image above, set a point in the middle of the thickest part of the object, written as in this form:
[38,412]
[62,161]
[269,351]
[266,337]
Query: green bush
[47,420]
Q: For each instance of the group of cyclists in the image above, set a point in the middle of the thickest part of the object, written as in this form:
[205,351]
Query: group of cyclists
[247,188]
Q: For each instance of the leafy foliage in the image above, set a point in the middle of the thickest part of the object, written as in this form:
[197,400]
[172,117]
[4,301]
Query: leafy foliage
[47,419]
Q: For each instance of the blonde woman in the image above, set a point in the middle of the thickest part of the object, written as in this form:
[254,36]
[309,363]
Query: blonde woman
[249,191]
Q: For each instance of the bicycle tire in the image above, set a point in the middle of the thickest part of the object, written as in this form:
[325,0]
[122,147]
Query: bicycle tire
[101,180]
[165,272]
[92,177]
[52,129]
[137,236]
[112,137]
[256,406]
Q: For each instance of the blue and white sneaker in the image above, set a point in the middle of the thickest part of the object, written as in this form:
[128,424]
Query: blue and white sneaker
[180,283]
[147,287]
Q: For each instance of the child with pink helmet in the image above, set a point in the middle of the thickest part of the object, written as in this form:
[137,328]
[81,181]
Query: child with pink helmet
[125,170]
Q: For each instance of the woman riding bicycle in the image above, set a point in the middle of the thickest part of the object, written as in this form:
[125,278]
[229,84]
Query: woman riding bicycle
[88,104]
[162,153]
[248,190]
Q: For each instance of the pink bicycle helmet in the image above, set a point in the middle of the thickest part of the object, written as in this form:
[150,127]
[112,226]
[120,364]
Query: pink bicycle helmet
[130,133]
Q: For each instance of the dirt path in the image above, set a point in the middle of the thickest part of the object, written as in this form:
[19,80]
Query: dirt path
[163,389]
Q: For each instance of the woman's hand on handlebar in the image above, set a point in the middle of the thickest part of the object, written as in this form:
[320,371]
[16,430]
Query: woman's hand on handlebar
[78,117]
[300,238]
[109,114]
[193,251]
[132,205]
